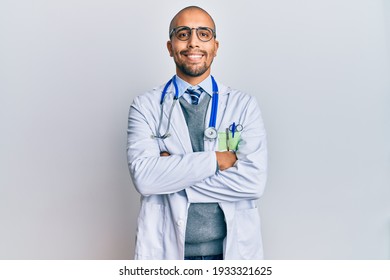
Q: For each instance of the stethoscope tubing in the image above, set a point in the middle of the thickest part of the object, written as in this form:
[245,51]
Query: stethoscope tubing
[213,114]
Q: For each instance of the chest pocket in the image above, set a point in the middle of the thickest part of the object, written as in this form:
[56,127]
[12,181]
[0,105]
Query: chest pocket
[226,141]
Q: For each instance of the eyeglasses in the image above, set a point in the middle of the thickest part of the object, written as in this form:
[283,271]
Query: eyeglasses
[183,33]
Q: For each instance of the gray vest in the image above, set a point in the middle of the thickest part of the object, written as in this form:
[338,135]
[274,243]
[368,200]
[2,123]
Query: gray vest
[206,227]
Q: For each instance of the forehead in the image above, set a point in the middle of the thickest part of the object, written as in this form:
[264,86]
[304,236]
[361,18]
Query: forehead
[193,18]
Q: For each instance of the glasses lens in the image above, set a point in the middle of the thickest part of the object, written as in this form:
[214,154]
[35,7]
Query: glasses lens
[204,34]
[183,33]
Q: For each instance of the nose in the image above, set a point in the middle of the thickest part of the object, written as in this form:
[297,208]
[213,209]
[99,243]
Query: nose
[193,42]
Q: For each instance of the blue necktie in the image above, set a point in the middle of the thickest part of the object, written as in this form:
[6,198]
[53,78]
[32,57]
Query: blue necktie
[195,94]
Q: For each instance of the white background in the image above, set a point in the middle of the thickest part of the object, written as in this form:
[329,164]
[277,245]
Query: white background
[68,73]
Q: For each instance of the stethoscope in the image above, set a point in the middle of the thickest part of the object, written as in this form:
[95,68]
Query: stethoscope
[210,132]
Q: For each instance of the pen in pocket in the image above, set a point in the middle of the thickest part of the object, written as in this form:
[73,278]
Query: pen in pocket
[227,139]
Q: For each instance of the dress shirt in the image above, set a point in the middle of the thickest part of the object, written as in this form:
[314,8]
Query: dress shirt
[182,85]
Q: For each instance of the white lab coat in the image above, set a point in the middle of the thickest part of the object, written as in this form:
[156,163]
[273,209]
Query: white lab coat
[168,184]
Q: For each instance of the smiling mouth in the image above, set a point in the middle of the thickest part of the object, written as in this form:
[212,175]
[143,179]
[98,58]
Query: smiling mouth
[193,56]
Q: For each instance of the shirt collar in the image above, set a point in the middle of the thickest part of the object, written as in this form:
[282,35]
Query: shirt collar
[206,85]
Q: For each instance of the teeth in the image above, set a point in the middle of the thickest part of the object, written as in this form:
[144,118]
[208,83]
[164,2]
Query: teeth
[194,56]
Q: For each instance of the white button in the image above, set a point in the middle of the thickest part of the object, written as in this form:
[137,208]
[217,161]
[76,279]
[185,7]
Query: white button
[180,223]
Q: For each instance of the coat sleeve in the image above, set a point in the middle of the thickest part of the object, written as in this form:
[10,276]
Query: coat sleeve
[151,173]
[247,178]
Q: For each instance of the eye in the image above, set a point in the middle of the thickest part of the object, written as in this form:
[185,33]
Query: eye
[205,34]
[183,33]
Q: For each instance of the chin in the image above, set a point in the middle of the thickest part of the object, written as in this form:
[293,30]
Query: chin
[194,72]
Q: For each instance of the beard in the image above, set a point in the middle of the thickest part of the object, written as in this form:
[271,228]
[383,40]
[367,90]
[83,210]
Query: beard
[192,70]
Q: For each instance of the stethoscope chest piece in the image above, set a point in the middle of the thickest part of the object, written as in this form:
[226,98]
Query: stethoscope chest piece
[210,133]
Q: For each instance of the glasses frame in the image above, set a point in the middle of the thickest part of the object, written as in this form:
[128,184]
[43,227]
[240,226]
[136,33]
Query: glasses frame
[173,30]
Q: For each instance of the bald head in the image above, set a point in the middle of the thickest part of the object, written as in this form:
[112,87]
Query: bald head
[188,10]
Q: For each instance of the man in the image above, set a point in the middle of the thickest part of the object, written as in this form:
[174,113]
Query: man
[197,157]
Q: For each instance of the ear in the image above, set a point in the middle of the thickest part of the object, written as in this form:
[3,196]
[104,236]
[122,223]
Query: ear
[216,44]
[169,47]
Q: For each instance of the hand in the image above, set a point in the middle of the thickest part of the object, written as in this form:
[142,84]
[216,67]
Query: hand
[225,159]
[165,154]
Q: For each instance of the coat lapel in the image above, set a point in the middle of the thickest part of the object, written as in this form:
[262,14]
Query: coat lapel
[178,129]
[222,102]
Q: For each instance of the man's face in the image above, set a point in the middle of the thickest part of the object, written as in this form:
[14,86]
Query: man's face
[193,57]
